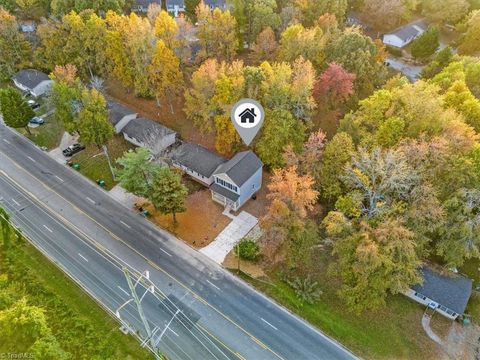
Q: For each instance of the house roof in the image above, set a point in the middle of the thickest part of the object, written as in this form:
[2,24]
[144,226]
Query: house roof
[180,3]
[450,291]
[212,4]
[117,111]
[145,3]
[224,191]
[241,167]
[408,31]
[197,158]
[30,78]
[146,130]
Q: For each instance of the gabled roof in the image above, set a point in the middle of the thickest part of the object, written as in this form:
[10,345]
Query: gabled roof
[117,111]
[30,78]
[146,130]
[241,167]
[225,192]
[450,291]
[212,4]
[145,3]
[198,159]
[408,31]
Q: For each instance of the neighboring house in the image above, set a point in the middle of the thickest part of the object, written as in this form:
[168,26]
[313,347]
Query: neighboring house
[447,295]
[149,134]
[405,34]
[175,7]
[196,161]
[237,180]
[32,81]
[119,115]
[141,6]
[212,4]
[27,26]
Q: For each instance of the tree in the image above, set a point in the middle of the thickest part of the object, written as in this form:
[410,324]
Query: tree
[136,172]
[153,11]
[166,29]
[279,130]
[311,10]
[94,126]
[460,236]
[446,11]
[226,136]
[460,98]
[441,60]
[381,177]
[15,110]
[62,7]
[30,9]
[66,96]
[338,152]
[470,43]
[334,86]
[373,261]
[165,74]
[303,78]
[216,33]
[266,46]
[259,14]
[15,49]
[190,9]
[167,193]
[426,44]
[385,15]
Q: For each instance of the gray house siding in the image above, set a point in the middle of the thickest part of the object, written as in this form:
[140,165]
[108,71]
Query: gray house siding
[250,187]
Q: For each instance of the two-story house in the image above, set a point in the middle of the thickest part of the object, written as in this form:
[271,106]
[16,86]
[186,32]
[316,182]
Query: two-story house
[237,180]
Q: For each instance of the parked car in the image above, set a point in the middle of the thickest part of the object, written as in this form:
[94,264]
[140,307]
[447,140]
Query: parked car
[37,121]
[73,149]
[33,104]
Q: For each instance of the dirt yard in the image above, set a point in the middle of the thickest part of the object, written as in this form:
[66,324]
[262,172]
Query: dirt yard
[248,267]
[200,224]
[148,108]
[258,207]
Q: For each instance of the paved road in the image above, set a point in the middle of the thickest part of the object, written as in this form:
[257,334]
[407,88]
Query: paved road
[226,313]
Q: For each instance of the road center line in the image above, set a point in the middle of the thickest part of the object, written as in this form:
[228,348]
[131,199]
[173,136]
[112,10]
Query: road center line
[266,322]
[8,142]
[215,286]
[15,202]
[166,252]
[123,290]
[125,224]
[46,227]
[30,158]
[93,202]
[83,257]
[59,178]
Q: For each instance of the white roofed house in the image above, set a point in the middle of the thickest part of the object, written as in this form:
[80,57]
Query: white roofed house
[175,7]
[149,134]
[33,82]
[237,180]
[406,34]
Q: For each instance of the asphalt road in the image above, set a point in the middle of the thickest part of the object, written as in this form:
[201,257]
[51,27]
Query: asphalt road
[222,316]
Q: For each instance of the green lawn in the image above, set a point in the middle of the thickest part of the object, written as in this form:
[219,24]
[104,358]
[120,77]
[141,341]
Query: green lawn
[394,332]
[94,164]
[48,134]
[79,324]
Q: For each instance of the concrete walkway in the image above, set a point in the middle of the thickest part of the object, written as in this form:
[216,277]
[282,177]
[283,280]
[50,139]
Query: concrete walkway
[240,226]
[426,326]
[124,197]
[66,141]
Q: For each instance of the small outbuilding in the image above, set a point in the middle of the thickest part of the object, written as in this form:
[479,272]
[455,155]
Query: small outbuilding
[149,134]
[197,161]
[119,115]
[446,294]
[406,34]
[32,81]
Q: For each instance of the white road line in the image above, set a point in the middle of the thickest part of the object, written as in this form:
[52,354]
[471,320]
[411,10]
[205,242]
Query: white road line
[123,290]
[8,142]
[46,227]
[15,202]
[31,158]
[215,286]
[173,331]
[59,178]
[266,322]
[128,226]
[83,257]
[93,202]
[166,252]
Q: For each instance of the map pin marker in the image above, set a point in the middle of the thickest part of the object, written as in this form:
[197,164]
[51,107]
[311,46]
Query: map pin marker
[247,116]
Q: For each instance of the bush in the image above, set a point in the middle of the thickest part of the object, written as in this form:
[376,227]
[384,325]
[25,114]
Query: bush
[394,51]
[305,289]
[248,249]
